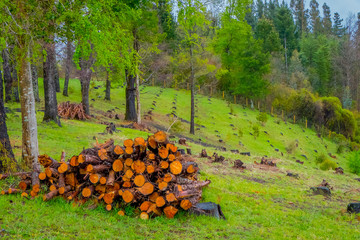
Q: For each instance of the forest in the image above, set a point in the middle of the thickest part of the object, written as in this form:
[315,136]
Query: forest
[273,63]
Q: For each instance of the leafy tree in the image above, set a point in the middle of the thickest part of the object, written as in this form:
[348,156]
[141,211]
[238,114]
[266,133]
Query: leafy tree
[265,31]
[243,61]
[191,19]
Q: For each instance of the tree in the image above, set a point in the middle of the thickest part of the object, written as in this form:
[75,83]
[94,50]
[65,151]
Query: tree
[20,26]
[191,19]
[338,28]
[315,21]
[265,30]
[326,21]
[6,155]
[68,63]
[301,16]
[284,24]
[7,75]
[243,61]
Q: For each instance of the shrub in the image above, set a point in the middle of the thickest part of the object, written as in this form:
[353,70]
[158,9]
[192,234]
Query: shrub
[327,165]
[320,158]
[262,117]
[291,147]
[354,162]
[355,146]
[340,148]
[256,131]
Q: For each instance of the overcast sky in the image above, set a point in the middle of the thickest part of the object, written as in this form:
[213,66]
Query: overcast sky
[343,7]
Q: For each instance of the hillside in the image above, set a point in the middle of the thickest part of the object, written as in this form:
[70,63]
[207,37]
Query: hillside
[258,203]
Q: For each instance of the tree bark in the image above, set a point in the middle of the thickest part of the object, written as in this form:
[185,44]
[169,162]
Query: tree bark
[7,75]
[68,61]
[56,72]
[51,113]
[34,76]
[6,154]
[192,118]
[28,115]
[130,113]
[108,87]
[85,77]
[138,104]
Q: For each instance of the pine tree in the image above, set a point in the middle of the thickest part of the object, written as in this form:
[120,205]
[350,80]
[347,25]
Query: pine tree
[315,21]
[301,15]
[326,21]
[338,28]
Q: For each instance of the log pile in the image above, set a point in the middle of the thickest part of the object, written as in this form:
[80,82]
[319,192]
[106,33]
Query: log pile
[72,111]
[151,175]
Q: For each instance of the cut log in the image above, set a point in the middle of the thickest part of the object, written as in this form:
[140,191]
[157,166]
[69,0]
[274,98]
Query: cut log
[42,176]
[128,143]
[185,204]
[171,157]
[63,167]
[169,177]
[145,206]
[51,172]
[102,153]
[163,152]
[170,212]
[63,190]
[71,180]
[103,180]
[74,161]
[81,158]
[128,162]
[128,196]
[108,207]
[139,141]
[152,144]
[170,197]
[22,175]
[87,191]
[139,180]
[151,156]
[94,178]
[144,216]
[109,197]
[146,189]
[154,196]
[23,185]
[118,150]
[129,150]
[160,202]
[162,186]
[117,165]
[121,213]
[52,187]
[160,137]
[138,166]
[129,174]
[164,164]
[111,178]
[50,195]
[150,169]
[47,161]
[176,167]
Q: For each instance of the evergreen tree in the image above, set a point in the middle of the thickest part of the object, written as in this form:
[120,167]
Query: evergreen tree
[260,9]
[266,32]
[315,21]
[301,16]
[326,21]
[338,28]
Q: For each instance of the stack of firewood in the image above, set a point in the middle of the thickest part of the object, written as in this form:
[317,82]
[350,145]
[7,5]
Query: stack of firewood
[151,175]
[72,111]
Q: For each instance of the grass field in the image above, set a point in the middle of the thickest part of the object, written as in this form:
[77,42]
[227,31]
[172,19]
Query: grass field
[258,203]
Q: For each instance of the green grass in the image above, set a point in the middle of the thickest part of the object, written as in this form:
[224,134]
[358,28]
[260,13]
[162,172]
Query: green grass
[278,207]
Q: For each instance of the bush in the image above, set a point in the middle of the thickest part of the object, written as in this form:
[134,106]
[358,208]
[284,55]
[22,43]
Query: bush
[327,165]
[256,131]
[262,117]
[355,146]
[340,148]
[320,158]
[291,147]
[354,162]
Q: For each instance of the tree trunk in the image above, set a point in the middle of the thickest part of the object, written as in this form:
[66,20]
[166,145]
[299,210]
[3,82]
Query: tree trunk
[34,76]
[51,113]
[7,75]
[6,154]
[15,81]
[67,67]
[85,77]
[192,118]
[130,113]
[138,105]
[108,87]
[56,75]
[28,115]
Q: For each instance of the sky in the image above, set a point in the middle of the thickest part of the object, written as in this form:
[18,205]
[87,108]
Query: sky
[343,7]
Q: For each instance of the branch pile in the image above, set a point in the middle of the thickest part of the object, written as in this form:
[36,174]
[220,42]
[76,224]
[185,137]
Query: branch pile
[72,111]
[151,175]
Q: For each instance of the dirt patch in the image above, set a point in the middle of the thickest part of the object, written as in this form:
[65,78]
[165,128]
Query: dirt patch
[254,179]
